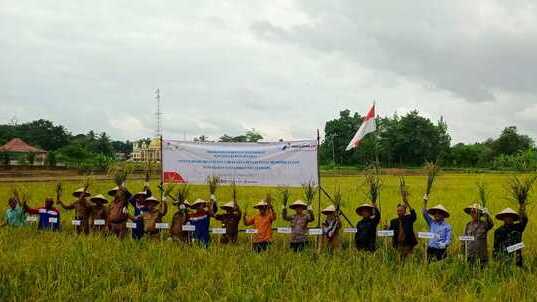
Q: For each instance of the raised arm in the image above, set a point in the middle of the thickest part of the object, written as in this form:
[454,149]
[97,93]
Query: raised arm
[246,220]
[285,216]
[311,216]
[66,207]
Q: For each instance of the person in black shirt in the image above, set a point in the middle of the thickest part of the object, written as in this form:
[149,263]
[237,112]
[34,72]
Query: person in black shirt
[510,233]
[404,238]
[366,229]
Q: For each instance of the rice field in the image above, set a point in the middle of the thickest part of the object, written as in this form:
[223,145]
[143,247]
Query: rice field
[44,266]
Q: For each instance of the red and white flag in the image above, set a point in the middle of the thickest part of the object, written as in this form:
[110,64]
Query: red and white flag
[368,125]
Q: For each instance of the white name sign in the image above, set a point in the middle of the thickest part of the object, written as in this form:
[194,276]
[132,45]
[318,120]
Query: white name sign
[350,230]
[76,222]
[250,231]
[426,235]
[466,238]
[284,230]
[385,233]
[161,225]
[515,247]
[52,220]
[131,225]
[31,218]
[218,230]
[99,222]
[315,232]
[189,227]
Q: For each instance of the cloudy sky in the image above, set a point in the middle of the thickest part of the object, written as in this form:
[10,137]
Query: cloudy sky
[281,67]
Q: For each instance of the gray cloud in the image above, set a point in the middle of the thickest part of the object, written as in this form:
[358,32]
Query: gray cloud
[281,67]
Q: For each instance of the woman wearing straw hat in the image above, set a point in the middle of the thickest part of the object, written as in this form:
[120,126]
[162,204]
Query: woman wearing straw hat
[82,209]
[510,233]
[481,224]
[179,219]
[263,223]
[366,229]
[437,247]
[153,215]
[98,212]
[201,219]
[230,221]
[331,227]
[299,224]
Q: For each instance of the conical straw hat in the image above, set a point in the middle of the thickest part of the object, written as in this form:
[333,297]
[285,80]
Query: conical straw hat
[329,209]
[198,201]
[78,192]
[508,212]
[475,206]
[261,204]
[113,191]
[229,205]
[99,198]
[438,208]
[298,203]
[364,206]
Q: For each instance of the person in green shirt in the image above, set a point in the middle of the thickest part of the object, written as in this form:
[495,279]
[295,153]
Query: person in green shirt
[15,215]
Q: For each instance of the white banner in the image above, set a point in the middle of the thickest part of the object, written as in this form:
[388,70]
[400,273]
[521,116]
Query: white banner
[292,163]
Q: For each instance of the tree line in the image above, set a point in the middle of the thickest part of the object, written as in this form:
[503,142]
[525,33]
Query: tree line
[80,150]
[410,140]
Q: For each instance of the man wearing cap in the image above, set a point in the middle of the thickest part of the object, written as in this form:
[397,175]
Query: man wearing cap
[15,215]
[481,224]
[201,219]
[366,229]
[263,224]
[331,227]
[82,209]
[230,221]
[437,247]
[98,212]
[299,224]
[510,233]
[404,239]
[179,219]
[153,215]
[49,216]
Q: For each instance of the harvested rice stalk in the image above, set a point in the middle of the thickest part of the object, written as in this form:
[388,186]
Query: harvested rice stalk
[182,194]
[309,192]
[119,174]
[59,190]
[268,199]
[432,169]
[234,192]
[284,192]
[374,185]
[483,193]
[213,182]
[168,190]
[403,189]
[337,200]
[520,189]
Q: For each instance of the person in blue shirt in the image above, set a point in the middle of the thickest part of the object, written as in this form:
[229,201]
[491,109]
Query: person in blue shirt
[201,219]
[49,216]
[435,218]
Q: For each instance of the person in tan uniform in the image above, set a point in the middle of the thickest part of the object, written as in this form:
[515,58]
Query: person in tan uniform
[99,213]
[152,215]
[118,214]
[178,220]
[82,209]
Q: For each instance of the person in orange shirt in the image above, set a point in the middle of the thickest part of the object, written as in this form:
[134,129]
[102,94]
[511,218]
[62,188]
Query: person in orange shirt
[263,224]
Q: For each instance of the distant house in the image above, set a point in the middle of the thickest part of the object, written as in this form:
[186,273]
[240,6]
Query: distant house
[146,151]
[17,149]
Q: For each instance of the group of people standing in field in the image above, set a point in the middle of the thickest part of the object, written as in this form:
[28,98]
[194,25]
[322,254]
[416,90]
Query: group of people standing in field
[191,223]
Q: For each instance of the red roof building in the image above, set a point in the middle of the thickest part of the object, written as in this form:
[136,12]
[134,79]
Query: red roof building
[19,146]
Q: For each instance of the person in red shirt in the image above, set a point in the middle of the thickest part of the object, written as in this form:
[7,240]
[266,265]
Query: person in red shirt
[49,216]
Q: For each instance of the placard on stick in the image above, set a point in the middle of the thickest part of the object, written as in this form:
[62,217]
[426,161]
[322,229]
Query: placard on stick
[515,247]
[131,225]
[426,235]
[284,230]
[99,222]
[385,233]
[162,225]
[31,218]
[350,230]
[52,220]
[76,222]
[218,230]
[315,232]
[189,228]
[466,238]
[250,231]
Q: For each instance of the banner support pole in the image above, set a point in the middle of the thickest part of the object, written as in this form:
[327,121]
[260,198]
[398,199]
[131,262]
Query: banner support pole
[161,171]
[318,180]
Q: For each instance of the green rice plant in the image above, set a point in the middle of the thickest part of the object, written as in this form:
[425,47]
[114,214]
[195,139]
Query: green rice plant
[482,193]
[403,190]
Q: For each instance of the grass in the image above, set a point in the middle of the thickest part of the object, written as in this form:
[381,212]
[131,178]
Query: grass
[62,266]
